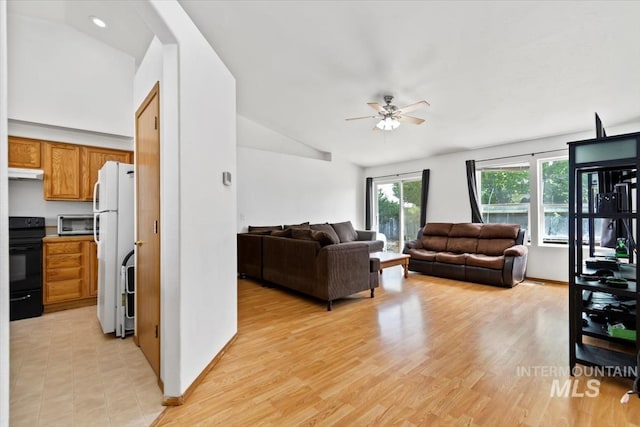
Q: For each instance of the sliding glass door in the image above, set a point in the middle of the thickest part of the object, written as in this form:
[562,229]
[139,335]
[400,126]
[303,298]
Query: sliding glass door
[398,211]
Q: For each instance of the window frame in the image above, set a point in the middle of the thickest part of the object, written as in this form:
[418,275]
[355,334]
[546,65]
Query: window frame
[540,202]
[506,164]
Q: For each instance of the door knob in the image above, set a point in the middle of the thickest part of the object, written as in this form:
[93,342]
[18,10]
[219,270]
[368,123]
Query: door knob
[139,242]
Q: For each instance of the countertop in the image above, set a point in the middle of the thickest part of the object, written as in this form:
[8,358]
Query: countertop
[56,238]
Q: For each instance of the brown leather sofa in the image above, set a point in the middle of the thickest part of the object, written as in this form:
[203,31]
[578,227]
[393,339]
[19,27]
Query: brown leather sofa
[492,254]
[304,259]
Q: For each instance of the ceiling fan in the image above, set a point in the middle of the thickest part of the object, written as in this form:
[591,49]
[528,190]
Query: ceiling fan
[390,116]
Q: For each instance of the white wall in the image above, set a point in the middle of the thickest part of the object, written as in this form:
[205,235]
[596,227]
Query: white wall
[278,189]
[26,198]
[59,76]
[449,196]
[198,213]
[4,228]
[254,135]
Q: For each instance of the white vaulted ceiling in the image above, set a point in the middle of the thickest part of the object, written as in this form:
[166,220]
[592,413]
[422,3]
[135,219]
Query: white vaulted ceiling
[494,72]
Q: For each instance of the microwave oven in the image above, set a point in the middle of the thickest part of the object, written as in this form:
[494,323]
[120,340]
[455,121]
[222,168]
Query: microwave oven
[69,225]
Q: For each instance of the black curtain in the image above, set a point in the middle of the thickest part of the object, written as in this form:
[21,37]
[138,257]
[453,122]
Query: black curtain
[369,203]
[476,215]
[424,195]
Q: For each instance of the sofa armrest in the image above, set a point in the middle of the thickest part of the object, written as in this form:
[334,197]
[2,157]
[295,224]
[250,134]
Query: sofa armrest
[414,244]
[366,235]
[515,265]
[517,250]
[342,270]
[249,254]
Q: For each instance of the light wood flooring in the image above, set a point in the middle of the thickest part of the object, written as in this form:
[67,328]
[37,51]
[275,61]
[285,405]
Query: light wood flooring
[425,351]
[66,372]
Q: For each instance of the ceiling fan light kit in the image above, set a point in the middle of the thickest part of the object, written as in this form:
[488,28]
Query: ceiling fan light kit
[388,124]
[390,116]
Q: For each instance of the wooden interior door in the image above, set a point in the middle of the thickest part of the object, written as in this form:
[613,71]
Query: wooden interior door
[147,167]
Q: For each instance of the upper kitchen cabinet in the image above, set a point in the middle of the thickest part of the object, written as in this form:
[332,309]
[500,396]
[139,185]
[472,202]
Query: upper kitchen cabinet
[93,158]
[70,171]
[62,171]
[24,153]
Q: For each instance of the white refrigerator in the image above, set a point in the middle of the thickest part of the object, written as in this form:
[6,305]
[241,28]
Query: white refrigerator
[113,232]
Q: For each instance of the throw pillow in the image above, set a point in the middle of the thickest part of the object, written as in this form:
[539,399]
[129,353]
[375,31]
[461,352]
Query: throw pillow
[261,232]
[327,229]
[253,228]
[301,233]
[345,231]
[282,233]
[301,225]
[321,237]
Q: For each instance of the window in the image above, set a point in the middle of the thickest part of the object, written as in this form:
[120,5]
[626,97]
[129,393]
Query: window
[398,225]
[505,194]
[554,190]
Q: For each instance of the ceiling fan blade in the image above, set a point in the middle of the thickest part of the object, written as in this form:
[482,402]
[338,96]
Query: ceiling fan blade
[376,107]
[376,128]
[412,107]
[360,118]
[409,119]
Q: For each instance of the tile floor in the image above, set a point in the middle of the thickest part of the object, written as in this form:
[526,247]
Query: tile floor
[65,372]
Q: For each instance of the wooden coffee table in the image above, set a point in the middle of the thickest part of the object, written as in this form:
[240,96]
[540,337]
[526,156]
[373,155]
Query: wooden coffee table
[389,259]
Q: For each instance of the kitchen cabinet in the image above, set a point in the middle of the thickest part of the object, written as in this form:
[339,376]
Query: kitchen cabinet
[93,269]
[93,158]
[69,272]
[70,171]
[61,171]
[25,153]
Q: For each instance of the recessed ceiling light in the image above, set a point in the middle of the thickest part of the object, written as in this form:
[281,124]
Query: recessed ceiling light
[99,22]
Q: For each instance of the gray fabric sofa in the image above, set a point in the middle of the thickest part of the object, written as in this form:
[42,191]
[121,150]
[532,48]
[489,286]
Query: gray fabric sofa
[326,261]
[492,254]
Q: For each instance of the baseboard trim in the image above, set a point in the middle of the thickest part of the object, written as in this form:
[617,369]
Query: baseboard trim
[547,281]
[179,400]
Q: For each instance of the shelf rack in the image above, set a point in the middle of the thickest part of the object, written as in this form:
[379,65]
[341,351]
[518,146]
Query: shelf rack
[599,167]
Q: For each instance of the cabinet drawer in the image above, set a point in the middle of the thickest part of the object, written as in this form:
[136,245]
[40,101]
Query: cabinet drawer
[64,261]
[63,248]
[63,291]
[58,274]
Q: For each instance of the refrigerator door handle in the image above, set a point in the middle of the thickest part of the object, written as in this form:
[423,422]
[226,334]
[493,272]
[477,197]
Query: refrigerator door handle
[95,199]
[95,227]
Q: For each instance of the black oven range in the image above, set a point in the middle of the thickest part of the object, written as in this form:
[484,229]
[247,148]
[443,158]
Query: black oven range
[25,266]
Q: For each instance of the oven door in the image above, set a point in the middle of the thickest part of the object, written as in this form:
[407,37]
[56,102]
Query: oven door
[25,266]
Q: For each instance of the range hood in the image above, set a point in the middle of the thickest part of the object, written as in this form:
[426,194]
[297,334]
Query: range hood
[19,173]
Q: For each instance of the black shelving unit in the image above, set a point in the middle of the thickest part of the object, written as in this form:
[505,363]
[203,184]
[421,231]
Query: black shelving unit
[603,188]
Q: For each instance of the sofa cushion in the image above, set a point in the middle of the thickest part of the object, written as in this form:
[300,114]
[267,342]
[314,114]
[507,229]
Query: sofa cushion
[461,245]
[345,231]
[434,243]
[301,233]
[282,233]
[465,230]
[499,231]
[327,229]
[258,228]
[261,232]
[451,258]
[480,260]
[494,246]
[301,225]
[437,229]
[422,254]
